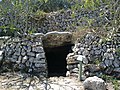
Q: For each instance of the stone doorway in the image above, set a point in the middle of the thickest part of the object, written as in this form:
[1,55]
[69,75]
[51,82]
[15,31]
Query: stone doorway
[56,60]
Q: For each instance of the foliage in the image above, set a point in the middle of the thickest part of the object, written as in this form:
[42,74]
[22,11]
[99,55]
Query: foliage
[118,51]
[114,81]
[15,13]
[52,5]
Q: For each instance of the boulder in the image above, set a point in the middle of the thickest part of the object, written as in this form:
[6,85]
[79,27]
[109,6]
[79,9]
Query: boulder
[94,83]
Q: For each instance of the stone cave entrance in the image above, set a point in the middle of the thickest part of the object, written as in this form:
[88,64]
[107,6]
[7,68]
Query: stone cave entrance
[56,60]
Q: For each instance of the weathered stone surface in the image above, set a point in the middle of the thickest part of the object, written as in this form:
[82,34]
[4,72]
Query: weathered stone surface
[94,83]
[1,53]
[117,70]
[40,55]
[17,53]
[31,54]
[26,54]
[91,68]
[38,49]
[97,51]
[116,63]
[25,58]
[53,39]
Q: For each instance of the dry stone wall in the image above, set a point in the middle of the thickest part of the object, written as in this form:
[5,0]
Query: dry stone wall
[101,56]
[70,20]
[27,54]
[66,20]
[24,54]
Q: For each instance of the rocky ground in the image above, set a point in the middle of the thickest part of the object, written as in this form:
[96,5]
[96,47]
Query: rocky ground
[22,82]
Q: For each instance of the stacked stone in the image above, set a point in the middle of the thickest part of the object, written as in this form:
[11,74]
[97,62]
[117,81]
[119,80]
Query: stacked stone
[111,59]
[89,48]
[26,54]
[106,54]
[67,20]
[72,64]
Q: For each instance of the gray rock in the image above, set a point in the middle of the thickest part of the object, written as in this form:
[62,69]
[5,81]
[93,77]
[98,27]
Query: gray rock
[21,66]
[23,52]
[10,52]
[40,55]
[56,38]
[29,70]
[31,54]
[108,62]
[17,53]
[85,52]
[27,63]
[111,57]
[85,60]
[1,53]
[25,58]
[97,52]
[117,70]
[94,83]
[108,70]
[13,60]
[116,63]
[18,45]
[69,67]
[102,65]
[40,61]
[31,59]
[91,68]
[75,70]
[29,49]
[39,65]
[19,59]
[38,49]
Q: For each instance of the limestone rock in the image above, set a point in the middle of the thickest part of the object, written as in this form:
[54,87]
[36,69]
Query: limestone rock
[40,55]
[54,39]
[92,68]
[117,70]
[31,54]
[1,55]
[38,49]
[94,83]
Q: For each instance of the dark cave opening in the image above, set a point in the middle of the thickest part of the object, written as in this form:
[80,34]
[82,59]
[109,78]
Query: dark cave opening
[56,60]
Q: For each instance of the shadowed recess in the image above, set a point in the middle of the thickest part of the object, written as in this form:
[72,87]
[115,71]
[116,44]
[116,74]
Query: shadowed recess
[56,60]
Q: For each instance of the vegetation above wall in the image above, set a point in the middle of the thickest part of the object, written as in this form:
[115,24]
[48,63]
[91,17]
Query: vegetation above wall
[16,14]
